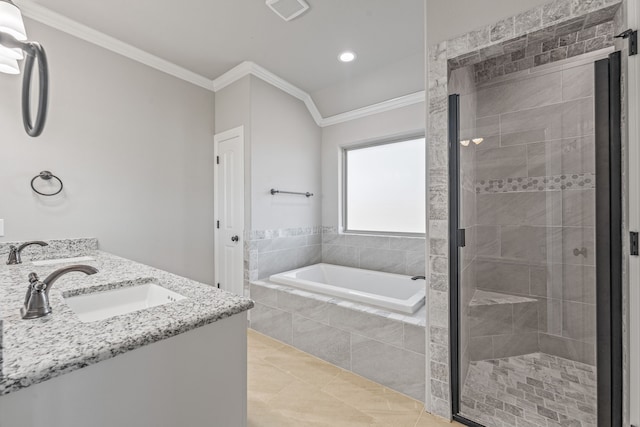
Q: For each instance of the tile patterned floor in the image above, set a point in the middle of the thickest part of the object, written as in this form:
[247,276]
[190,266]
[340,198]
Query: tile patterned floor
[535,390]
[287,387]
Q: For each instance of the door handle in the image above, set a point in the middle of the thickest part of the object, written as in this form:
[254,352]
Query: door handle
[235,238]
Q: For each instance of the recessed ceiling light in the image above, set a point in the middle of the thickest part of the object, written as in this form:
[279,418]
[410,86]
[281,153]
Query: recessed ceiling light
[347,56]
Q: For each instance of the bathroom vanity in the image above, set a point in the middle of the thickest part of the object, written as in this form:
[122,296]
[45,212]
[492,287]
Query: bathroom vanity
[102,359]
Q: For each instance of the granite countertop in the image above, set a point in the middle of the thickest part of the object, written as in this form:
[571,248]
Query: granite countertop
[32,351]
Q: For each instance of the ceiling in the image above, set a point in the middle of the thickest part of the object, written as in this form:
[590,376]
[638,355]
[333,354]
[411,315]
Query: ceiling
[451,18]
[209,37]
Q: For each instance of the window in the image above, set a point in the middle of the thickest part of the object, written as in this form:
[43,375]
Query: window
[384,188]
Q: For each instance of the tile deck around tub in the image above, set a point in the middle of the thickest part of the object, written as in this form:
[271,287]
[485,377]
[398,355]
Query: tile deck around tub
[419,318]
[384,347]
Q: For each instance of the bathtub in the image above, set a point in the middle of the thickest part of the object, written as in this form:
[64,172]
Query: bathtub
[384,290]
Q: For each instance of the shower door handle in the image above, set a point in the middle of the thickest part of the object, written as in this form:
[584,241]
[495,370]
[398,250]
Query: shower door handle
[462,238]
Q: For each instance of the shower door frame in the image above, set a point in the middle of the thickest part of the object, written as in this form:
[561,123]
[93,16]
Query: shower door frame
[609,345]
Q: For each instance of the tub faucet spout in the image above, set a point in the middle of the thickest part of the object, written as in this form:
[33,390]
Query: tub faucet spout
[36,302]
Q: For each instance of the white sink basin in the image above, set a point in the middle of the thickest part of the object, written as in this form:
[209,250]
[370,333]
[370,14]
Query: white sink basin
[62,260]
[105,304]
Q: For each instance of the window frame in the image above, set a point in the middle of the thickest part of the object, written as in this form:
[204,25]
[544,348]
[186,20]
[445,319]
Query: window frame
[344,184]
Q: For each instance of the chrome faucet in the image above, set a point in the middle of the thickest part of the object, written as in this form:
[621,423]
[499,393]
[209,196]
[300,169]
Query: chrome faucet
[36,302]
[15,252]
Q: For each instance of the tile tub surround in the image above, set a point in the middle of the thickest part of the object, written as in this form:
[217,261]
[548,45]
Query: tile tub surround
[469,47]
[390,254]
[268,252]
[34,351]
[385,347]
[533,390]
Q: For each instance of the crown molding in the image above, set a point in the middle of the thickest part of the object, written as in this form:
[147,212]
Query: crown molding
[381,107]
[250,68]
[41,14]
[52,19]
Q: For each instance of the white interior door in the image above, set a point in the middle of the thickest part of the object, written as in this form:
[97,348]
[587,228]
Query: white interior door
[229,209]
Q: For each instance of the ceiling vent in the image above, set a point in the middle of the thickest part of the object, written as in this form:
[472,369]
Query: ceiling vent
[288,9]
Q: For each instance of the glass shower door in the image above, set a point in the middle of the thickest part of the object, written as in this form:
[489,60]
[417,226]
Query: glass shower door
[527,247]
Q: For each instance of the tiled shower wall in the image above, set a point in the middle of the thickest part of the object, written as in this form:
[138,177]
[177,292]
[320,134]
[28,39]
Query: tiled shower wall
[535,201]
[551,46]
[473,47]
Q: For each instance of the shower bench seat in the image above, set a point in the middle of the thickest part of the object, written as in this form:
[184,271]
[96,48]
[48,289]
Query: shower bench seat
[491,298]
[502,325]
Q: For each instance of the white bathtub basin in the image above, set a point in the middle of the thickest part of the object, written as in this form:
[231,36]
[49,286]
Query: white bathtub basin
[105,304]
[389,291]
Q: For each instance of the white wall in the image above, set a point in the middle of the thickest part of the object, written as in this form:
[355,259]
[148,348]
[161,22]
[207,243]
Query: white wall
[232,110]
[285,148]
[402,121]
[282,149]
[134,148]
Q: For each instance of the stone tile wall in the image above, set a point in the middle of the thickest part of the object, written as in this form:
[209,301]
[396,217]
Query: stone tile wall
[401,255]
[545,47]
[469,49]
[268,252]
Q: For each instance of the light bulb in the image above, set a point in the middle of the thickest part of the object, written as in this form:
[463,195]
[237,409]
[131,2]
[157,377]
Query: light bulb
[465,142]
[9,66]
[11,20]
[11,23]
[9,53]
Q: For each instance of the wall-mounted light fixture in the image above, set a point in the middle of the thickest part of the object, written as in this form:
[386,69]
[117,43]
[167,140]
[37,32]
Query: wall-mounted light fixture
[465,142]
[478,141]
[13,47]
